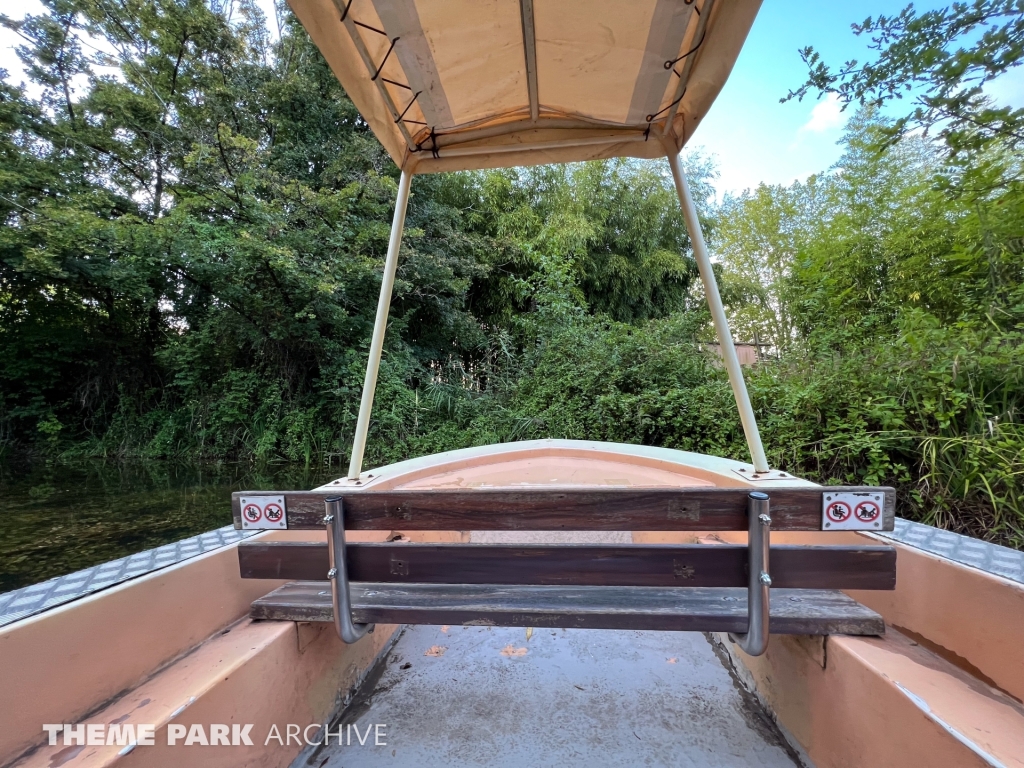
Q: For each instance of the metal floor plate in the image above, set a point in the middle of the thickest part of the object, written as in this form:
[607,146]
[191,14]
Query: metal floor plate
[983,555]
[484,696]
[27,601]
[20,603]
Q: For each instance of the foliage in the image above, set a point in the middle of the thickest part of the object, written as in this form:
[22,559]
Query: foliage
[195,220]
[195,224]
[907,304]
[943,58]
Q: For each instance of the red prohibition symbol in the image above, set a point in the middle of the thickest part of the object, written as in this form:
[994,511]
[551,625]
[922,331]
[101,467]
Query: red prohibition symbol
[838,511]
[867,511]
[274,513]
[252,513]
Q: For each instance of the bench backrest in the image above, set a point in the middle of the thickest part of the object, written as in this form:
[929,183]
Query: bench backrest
[613,509]
[661,509]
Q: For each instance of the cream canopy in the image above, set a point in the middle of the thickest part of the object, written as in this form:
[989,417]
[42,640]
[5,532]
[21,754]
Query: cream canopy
[452,85]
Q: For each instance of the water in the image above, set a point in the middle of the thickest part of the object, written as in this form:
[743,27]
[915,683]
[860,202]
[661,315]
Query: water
[58,517]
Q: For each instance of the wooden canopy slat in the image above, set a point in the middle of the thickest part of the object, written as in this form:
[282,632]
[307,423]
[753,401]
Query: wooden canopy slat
[613,509]
[694,609]
[839,567]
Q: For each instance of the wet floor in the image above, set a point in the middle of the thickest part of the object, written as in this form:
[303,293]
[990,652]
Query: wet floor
[468,696]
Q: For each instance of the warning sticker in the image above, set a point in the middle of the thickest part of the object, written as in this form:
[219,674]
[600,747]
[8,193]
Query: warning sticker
[263,512]
[867,511]
[251,513]
[838,512]
[851,511]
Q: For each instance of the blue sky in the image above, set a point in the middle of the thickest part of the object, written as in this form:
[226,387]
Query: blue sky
[752,136]
[755,138]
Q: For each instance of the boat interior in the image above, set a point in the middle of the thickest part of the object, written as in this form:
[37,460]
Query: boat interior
[555,601]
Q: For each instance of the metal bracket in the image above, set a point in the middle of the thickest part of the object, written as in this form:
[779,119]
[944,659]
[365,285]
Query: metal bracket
[768,474]
[755,641]
[334,520]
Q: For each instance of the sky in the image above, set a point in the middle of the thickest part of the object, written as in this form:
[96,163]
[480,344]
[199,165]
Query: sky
[756,139]
[752,136]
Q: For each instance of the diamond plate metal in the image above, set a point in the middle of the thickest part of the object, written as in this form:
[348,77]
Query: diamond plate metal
[991,558]
[20,603]
[37,598]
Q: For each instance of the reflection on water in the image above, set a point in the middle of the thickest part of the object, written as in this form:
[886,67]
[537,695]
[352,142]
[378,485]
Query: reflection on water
[56,517]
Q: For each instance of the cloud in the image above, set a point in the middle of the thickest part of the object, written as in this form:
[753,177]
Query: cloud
[825,116]
[1007,89]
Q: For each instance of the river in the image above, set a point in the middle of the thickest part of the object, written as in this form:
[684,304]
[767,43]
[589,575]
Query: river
[57,517]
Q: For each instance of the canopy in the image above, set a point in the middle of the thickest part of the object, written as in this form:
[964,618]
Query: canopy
[452,85]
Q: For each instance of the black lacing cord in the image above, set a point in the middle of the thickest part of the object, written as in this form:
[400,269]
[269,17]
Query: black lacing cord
[411,102]
[671,64]
[656,115]
[402,117]
[385,61]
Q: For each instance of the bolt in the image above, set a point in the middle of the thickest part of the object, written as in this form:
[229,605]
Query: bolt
[328,519]
[765,579]
[333,573]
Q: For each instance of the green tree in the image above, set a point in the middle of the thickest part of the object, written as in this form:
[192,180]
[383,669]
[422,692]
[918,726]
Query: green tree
[942,59]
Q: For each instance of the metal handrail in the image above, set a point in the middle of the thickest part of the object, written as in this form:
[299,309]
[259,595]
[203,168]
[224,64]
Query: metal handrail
[755,641]
[334,520]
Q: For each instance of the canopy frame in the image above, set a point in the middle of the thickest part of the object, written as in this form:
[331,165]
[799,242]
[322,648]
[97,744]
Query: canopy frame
[711,292]
[525,82]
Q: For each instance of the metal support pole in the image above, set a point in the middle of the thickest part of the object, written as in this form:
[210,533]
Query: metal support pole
[334,519]
[707,276]
[379,326]
[755,641]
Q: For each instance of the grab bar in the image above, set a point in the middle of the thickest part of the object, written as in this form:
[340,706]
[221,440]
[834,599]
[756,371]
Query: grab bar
[755,641]
[334,519]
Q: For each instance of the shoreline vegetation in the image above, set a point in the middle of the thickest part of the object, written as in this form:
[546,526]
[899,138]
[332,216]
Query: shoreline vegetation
[195,222]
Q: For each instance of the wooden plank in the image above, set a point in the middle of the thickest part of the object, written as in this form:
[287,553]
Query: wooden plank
[584,509]
[648,565]
[684,609]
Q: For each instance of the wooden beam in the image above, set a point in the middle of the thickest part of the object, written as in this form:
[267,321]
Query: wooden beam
[696,565]
[585,509]
[793,611]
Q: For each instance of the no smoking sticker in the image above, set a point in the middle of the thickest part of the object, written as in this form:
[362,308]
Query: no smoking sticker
[263,512]
[851,511]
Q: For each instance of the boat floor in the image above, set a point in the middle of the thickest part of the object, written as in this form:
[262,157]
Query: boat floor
[467,696]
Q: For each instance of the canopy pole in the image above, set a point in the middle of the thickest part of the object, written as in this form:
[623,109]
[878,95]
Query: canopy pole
[379,326]
[707,276]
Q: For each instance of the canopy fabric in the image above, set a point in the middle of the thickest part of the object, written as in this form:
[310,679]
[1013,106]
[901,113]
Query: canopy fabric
[460,84]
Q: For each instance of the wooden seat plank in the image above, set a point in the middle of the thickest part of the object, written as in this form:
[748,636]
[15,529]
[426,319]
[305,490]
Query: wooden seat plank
[578,509]
[801,612]
[812,567]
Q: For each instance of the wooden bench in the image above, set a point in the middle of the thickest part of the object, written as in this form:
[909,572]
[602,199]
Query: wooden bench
[710,588]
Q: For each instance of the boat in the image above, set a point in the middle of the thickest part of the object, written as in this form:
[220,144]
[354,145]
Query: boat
[853,637]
